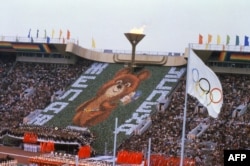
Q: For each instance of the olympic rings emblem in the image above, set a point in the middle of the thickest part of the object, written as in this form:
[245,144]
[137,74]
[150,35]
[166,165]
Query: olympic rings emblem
[203,87]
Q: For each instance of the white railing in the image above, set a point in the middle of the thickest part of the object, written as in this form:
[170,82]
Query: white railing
[129,52]
[220,47]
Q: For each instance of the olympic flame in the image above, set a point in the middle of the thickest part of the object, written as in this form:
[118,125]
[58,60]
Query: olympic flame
[138,30]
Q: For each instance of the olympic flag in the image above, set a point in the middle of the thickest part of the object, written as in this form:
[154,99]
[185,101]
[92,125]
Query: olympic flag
[203,84]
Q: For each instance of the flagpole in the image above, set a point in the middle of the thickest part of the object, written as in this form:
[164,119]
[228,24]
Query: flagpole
[115,137]
[149,151]
[185,114]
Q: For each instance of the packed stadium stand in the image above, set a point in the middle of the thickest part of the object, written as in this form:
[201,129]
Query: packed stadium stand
[34,77]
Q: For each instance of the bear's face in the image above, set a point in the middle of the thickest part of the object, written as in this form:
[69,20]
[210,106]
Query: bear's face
[123,84]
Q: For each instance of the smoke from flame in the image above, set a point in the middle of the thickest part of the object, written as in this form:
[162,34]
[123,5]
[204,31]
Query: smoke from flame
[138,30]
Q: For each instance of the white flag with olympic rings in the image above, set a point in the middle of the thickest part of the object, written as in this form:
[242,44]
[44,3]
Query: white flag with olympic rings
[203,84]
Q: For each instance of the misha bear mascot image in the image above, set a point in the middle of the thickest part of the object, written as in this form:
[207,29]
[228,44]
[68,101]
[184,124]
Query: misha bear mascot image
[121,89]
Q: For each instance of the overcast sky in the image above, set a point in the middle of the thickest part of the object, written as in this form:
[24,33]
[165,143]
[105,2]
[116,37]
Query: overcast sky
[169,25]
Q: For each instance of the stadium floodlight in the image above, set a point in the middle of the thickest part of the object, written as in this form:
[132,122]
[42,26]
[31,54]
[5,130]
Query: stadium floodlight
[134,39]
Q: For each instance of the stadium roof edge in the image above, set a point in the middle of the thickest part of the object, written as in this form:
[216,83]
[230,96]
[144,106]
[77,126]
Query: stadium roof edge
[124,58]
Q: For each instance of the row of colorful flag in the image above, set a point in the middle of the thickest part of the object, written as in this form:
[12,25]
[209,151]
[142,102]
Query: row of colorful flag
[45,35]
[228,40]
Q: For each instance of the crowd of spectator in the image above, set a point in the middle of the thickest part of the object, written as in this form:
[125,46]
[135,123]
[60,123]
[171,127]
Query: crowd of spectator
[26,87]
[29,86]
[224,132]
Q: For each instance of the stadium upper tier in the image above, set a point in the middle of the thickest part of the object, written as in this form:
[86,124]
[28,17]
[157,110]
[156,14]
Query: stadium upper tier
[41,48]
[66,52]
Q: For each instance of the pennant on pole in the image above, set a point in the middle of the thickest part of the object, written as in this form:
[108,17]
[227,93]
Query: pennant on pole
[45,33]
[218,39]
[68,34]
[53,33]
[200,39]
[93,43]
[60,34]
[203,84]
[29,33]
[237,40]
[246,42]
[228,40]
[209,40]
[37,33]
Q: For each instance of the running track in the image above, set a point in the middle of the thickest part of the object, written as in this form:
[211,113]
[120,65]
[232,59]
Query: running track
[17,153]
